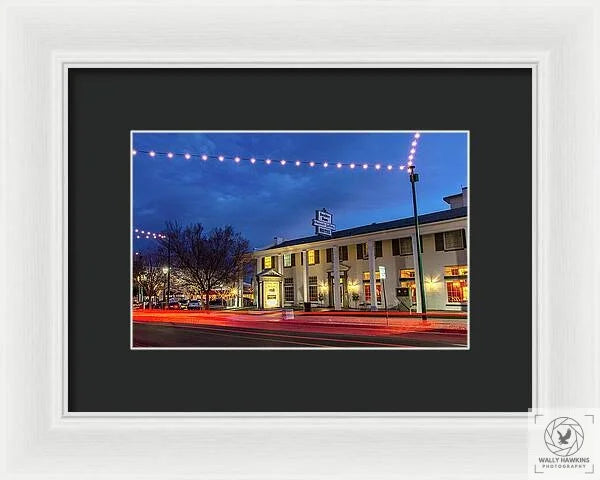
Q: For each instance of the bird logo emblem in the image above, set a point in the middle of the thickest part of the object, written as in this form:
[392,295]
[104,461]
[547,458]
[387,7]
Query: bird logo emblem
[564,436]
[563,439]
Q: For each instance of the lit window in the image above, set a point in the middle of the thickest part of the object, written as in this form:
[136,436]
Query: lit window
[287,259]
[412,288]
[458,291]
[268,262]
[367,288]
[367,276]
[313,257]
[456,271]
[456,283]
[407,273]
[454,240]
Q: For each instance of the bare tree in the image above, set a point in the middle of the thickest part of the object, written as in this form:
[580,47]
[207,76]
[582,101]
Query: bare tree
[207,260]
[148,272]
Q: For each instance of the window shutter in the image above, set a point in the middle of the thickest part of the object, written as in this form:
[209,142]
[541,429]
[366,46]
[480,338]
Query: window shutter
[344,253]
[328,254]
[301,258]
[317,259]
[274,263]
[359,251]
[378,249]
[439,242]
[396,246]
[464,235]
[293,259]
[263,263]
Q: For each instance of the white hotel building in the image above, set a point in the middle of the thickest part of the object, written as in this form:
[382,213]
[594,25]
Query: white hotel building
[292,272]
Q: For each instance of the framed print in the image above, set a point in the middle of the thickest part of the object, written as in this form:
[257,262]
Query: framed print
[190,192]
[290,307]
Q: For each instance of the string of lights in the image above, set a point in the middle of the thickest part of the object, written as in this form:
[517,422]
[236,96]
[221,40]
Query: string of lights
[282,162]
[139,233]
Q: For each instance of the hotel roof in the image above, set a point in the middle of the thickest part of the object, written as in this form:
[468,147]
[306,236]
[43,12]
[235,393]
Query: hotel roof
[379,227]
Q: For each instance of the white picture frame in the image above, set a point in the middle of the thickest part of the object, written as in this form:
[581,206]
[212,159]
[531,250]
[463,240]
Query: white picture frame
[558,39]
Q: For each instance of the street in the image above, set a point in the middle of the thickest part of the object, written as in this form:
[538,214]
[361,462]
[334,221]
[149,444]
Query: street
[242,330]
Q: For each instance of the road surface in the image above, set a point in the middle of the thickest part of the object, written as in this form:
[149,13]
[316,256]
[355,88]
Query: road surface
[166,334]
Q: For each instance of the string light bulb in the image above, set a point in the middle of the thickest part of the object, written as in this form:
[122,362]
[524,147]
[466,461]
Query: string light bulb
[312,164]
[282,162]
[268,161]
[352,165]
[365,166]
[325,164]
[152,153]
[187,156]
[204,157]
[297,163]
[236,159]
[253,160]
[221,158]
[134,152]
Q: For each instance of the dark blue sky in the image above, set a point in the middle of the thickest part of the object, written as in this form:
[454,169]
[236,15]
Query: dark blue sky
[263,201]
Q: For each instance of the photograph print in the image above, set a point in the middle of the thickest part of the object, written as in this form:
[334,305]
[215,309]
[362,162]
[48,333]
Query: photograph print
[300,240]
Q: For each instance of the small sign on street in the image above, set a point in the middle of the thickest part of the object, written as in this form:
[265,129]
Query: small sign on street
[382,273]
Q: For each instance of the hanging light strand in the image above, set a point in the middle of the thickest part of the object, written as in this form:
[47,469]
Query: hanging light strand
[388,167]
[143,233]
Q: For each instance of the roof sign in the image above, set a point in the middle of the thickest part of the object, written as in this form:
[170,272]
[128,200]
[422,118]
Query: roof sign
[323,223]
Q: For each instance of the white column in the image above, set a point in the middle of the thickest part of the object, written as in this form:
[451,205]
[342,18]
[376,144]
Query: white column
[416,264]
[281,284]
[336,279]
[304,276]
[371,251]
[241,292]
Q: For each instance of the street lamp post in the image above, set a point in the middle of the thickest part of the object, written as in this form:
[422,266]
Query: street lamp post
[414,178]
[166,301]
[168,267]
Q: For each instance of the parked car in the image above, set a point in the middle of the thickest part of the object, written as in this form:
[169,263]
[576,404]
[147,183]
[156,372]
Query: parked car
[174,305]
[194,305]
[183,304]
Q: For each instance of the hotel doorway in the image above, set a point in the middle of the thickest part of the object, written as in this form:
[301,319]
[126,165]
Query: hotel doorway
[343,286]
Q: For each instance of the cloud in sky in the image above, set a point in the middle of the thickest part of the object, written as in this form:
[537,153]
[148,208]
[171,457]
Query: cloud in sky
[263,201]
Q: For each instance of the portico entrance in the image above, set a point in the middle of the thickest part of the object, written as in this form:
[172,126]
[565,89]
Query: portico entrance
[269,289]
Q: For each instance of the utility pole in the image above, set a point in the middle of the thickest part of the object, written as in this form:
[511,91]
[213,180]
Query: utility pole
[414,178]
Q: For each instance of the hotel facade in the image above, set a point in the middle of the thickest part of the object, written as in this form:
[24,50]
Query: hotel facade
[293,273]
